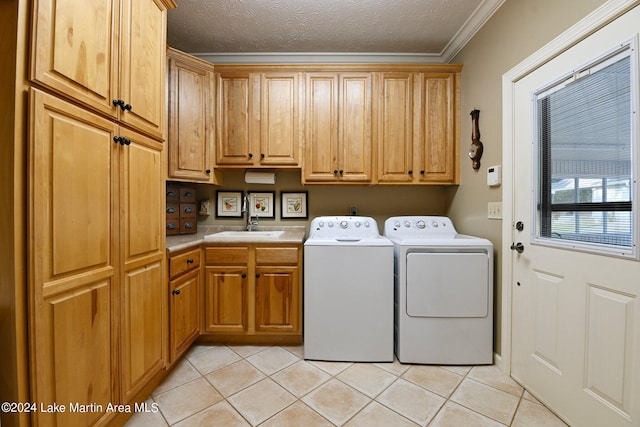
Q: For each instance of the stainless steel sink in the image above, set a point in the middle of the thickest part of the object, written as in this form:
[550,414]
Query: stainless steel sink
[244,235]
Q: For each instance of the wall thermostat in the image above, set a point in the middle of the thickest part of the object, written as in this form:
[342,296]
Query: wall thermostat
[494,176]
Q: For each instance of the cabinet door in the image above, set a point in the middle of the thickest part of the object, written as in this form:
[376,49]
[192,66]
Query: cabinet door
[395,128]
[277,299]
[321,137]
[280,119]
[74,50]
[226,303]
[355,122]
[184,307]
[142,327]
[143,296]
[435,145]
[72,238]
[191,118]
[142,65]
[237,119]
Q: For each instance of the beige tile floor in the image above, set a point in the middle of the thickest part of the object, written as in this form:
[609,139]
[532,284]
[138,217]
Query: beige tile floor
[274,386]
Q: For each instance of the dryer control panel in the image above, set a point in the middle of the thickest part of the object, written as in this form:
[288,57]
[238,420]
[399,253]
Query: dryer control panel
[419,226]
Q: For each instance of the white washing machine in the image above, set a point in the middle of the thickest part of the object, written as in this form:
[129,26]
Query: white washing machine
[348,291]
[443,300]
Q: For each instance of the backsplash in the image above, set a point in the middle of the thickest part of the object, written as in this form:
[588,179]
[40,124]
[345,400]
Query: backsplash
[379,202]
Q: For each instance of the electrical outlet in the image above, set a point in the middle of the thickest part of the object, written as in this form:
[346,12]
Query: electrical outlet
[353,210]
[494,210]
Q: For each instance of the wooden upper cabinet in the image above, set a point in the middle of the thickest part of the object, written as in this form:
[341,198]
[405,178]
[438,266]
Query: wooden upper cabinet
[395,128]
[80,50]
[281,119]
[437,114]
[191,139]
[237,123]
[259,121]
[338,127]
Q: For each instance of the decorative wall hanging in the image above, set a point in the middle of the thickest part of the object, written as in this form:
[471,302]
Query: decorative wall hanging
[229,204]
[262,204]
[475,149]
[294,205]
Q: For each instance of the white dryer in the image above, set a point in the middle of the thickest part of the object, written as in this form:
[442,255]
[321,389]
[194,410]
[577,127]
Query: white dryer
[443,302]
[348,291]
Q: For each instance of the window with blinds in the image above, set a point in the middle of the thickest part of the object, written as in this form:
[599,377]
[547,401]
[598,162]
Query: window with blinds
[586,134]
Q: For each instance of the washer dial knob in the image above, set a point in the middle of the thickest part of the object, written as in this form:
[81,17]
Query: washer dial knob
[420,224]
[344,224]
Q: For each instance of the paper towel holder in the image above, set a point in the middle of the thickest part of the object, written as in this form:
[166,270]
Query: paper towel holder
[259,177]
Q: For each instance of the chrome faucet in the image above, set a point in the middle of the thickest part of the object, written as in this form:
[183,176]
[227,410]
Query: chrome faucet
[245,209]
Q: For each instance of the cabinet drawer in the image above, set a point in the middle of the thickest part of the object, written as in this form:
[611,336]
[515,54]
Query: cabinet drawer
[187,210]
[178,264]
[173,194]
[173,227]
[187,195]
[188,226]
[226,255]
[173,211]
[276,256]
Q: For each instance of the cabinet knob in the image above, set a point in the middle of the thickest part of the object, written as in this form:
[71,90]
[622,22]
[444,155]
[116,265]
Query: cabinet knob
[126,107]
[422,172]
[208,171]
[335,171]
[341,172]
[262,156]
[176,292]
[244,275]
[257,275]
[189,261]
[410,171]
[118,103]
[250,155]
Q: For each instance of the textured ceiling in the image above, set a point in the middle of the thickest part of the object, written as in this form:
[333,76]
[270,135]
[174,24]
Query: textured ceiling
[428,27]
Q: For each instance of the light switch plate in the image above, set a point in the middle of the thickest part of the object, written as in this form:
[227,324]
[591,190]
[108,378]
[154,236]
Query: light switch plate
[494,210]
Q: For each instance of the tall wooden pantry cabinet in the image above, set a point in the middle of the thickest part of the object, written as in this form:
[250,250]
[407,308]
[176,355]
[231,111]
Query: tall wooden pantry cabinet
[95,197]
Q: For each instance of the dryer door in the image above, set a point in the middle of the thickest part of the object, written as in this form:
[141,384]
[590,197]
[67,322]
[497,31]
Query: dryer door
[447,284]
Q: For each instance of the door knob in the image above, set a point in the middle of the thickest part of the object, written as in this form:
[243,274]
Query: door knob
[518,247]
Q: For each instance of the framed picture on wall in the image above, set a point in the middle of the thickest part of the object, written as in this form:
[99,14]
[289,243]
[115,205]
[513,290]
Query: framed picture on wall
[229,204]
[294,205]
[262,204]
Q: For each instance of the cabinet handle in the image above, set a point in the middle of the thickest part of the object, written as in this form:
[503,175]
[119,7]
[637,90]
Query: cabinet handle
[188,194]
[171,226]
[127,141]
[126,107]
[335,171]
[189,261]
[410,171]
[262,155]
[188,210]
[208,171]
[257,275]
[176,292]
[244,275]
[250,155]
[171,210]
[422,172]
[341,172]
[188,225]
[171,193]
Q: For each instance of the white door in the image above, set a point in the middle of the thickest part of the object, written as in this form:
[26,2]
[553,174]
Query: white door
[576,304]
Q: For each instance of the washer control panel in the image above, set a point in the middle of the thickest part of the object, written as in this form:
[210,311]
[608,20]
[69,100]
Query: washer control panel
[343,227]
[419,226]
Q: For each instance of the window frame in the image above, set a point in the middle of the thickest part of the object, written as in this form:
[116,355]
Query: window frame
[541,233]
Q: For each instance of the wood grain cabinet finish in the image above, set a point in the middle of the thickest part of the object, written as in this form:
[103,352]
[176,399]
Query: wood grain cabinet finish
[338,143]
[253,293]
[95,239]
[97,258]
[258,119]
[191,117]
[184,301]
[108,55]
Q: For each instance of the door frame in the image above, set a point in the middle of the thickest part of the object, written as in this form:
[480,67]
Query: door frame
[600,17]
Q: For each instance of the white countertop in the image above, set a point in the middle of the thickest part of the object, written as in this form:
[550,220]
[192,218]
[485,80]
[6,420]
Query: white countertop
[293,234]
